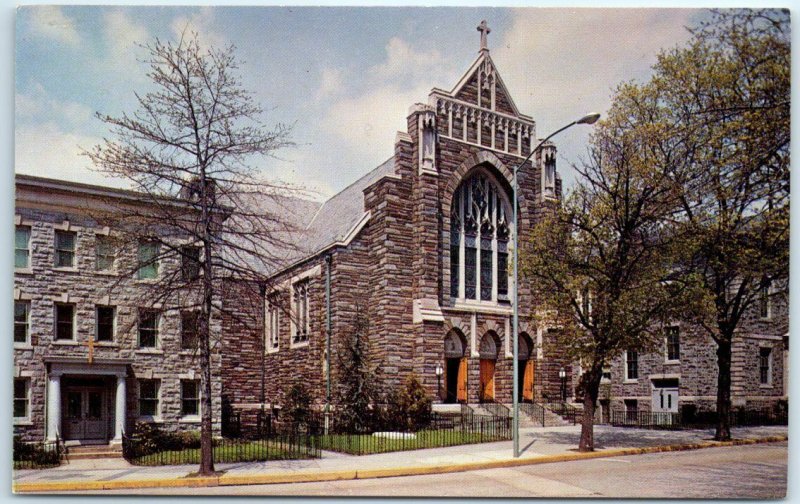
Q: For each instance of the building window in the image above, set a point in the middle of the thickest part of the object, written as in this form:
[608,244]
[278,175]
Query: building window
[631,365]
[148,328]
[149,398]
[22,323]
[22,401]
[764,310]
[105,323]
[148,260]
[189,325]
[271,324]
[104,253]
[65,249]
[549,182]
[765,366]
[190,263]
[190,398]
[673,344]
[65,321]
[301,323]
[479,233]
[22,247]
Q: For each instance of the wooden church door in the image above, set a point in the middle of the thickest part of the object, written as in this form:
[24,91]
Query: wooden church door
[462,380]
[527,381]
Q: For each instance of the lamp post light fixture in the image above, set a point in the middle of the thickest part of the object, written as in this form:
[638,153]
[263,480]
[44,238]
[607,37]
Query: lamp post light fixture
[587,119]
[439,372]
[563,375]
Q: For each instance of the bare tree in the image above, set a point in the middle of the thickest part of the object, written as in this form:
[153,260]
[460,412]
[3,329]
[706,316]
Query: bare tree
[206,217]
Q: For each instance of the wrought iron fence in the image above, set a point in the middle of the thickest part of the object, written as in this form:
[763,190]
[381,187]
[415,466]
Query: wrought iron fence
[690,419]
[38,455]
[276,446]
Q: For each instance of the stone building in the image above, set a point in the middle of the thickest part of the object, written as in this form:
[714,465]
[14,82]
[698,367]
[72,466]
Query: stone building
[683,372]
[421,246]
[92,353]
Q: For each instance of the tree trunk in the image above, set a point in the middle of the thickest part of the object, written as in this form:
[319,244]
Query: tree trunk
[590,393]
[723,432]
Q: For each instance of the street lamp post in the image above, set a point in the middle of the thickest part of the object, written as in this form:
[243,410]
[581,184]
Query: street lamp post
[563,375]
[439,372]
[587,119]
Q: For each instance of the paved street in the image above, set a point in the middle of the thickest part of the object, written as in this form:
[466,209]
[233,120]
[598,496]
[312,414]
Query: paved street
[757,471]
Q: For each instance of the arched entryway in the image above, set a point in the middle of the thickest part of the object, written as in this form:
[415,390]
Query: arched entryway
[525,367]
[455,367]
[488,355]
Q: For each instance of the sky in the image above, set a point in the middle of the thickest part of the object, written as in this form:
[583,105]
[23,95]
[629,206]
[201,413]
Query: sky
[343,78]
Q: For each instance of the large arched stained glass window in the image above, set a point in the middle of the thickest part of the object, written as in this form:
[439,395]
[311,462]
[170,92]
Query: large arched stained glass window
[479,234]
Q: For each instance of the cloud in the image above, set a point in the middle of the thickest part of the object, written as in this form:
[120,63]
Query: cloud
[122,34]
[49,22]
[201,23]
[45,150]
[331,83]
[36,105]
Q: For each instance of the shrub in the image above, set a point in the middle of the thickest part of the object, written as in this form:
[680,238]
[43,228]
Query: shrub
[35,454]
[410,408]
[297,404]
[150,439]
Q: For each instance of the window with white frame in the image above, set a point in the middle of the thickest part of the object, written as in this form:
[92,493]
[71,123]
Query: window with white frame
[300,306]
[190,398]
[631,365]
[148,328]
[765,366]
[673,343]
[479,235]
[65,321]
[22,399]
[65,249]
[271,323]
[764,308]
[22,321]
[149,398]
[105,318]
[104,253]
[22,247]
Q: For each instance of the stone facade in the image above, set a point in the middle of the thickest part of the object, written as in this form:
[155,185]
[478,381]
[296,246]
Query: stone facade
[74,366]
[395,266]
[693,377]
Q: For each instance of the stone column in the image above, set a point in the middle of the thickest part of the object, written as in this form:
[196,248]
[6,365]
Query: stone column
[119,411]
[53,406]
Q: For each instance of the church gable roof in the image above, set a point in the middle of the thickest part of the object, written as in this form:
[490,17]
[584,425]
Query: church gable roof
[479,82]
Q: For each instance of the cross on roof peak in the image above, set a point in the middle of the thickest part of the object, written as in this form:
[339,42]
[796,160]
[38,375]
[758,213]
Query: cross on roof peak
[485,31]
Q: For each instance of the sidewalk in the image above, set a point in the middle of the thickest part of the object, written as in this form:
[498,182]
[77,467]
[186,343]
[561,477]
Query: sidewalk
[538,445]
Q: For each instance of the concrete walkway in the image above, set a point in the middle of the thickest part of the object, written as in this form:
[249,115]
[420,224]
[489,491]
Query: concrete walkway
[538,445]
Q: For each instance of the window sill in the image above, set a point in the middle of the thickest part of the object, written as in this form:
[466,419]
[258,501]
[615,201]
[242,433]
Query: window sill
[151,419]
[23,346]
[151,351]
[271,351]
[188,352]
[299,344]
[194,419]
[23,271]
[482,306]
[672,362]
[65,269]
[66,342]
[23,422]
[628,381]
[765,386]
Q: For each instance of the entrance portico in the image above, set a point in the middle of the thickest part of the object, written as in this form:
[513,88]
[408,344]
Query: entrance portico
[79,399]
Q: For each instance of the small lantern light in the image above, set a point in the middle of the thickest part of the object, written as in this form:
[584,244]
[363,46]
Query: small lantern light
[439,370]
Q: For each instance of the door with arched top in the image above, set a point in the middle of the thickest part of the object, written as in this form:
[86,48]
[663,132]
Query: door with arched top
[455,368]
[488,362]
[525,368]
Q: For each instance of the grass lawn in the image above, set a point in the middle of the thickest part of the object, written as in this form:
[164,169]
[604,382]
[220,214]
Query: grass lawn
[366,444]
[245,451]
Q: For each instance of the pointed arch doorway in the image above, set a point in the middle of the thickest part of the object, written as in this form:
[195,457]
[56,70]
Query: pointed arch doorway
[525,368]
[455,367]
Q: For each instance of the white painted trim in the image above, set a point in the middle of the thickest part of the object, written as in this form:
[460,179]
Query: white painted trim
[470,306]
[664,376]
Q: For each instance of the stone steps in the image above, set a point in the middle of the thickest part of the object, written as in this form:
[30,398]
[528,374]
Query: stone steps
[85,452]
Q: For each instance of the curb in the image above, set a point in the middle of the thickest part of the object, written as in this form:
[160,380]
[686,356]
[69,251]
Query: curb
[311,477]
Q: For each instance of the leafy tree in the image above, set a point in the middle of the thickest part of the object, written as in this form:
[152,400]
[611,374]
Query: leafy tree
[410,407]
[358,388]
[201,208]
[725,98]
[598,264]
